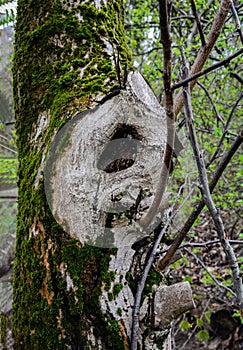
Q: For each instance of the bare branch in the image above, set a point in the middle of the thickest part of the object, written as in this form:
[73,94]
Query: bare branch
[237,77]
[141,284]
[225,130]
[204,244]
[195,13]
[194,29]
[213,104]
[165,37]
[205,50]
[205,71]
[4,138]
[7,148]
[200,204]
[237,21]
[8,196]
[237,280]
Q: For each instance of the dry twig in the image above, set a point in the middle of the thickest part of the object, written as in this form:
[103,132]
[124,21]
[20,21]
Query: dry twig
[205,189]
[205,50]
[199,205]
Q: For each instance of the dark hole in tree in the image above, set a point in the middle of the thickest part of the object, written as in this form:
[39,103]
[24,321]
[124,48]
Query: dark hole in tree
[120,152]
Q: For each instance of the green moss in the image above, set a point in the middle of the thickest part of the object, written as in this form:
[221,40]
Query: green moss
[3,331]
[115,340]
[108,277]
[111,296]
[60,65]
[154,278]
[119,311]
[117,288]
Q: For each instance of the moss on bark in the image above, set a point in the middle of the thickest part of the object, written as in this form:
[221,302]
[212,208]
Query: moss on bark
[64,52]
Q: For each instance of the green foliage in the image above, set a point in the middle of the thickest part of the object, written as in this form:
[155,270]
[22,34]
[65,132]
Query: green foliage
[187,279]
[8,170]
[199,325]
[238,315]
[199,322]
[208,316]
[142,27]
[203,335]
[206,279]
[185,325]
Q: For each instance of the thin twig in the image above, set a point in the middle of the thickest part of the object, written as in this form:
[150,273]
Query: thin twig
[199,205]
[237,21]
[194,28]
[212,102]
[237,280]
[207,70]
[205,50]
[196,326]
[147,52]
[226,127]
[199,27]
[221,286]
[4,138]
[198,245]
[152,256]
[7,148]
[237,77]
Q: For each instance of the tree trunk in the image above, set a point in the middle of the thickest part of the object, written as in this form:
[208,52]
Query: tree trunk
[79,256]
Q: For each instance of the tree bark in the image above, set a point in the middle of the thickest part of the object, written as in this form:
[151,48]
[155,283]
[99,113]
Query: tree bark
[72,289]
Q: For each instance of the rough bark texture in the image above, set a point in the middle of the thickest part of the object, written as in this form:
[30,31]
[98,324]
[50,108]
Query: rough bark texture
[69,295]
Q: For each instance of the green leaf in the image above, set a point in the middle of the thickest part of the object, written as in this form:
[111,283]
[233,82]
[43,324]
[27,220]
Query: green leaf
[187,279]
[203,335]
[185,325]
[208,316]
[199,322]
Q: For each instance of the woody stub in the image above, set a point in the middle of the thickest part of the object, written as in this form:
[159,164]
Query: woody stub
[101,176]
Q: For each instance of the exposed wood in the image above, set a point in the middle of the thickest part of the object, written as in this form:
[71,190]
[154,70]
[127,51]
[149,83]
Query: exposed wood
[94,204]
